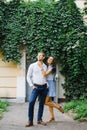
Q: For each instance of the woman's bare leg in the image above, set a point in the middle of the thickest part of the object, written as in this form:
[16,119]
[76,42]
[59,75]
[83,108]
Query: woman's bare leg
[50,103]
[49,99]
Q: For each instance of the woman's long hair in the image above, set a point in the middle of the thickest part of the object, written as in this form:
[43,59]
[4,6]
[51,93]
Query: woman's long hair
[53,65]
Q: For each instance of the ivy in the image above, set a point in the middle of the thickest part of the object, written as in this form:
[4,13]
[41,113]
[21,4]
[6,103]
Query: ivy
[57,28]
[2,21]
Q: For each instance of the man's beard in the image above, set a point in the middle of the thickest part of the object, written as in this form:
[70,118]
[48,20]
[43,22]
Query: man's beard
[40,60]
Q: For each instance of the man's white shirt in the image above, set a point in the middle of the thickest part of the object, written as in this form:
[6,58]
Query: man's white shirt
[35,76]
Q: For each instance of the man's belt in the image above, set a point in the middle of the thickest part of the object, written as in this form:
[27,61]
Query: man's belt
[41,85]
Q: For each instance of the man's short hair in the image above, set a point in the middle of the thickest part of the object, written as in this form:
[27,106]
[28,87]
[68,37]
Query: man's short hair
[42,53]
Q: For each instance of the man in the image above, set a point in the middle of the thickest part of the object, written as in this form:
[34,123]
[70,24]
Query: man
[37,81]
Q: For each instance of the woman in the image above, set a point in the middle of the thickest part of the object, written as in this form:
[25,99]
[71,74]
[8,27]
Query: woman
[51,85]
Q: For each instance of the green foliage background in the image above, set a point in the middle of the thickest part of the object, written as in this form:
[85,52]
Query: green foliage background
[56,28]
[78,107]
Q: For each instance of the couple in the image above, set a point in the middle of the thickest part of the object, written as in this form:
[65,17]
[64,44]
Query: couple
[38,76]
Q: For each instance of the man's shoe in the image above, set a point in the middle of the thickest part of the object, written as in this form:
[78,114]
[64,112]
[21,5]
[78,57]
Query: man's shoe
[41,122]
[29,124]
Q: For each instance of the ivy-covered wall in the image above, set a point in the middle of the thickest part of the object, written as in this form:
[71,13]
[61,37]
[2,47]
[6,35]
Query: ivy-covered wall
[56,28]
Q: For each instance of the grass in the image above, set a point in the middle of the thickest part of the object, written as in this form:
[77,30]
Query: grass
[78,108]
[3,107]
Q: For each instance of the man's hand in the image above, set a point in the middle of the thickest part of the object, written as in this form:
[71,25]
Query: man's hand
[33,87]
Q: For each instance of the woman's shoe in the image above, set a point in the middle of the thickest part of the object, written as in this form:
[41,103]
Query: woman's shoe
[61,109]
[51,120]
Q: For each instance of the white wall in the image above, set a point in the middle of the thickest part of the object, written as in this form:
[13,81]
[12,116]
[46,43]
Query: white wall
[80,3]
[21,80]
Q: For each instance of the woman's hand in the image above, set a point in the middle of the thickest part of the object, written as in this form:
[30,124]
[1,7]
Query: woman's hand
[43,72]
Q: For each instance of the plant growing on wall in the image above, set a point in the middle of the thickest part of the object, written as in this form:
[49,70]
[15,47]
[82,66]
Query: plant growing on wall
[2,21]
[56,28]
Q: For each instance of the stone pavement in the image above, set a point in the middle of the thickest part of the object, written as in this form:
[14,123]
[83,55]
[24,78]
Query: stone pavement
[16,118]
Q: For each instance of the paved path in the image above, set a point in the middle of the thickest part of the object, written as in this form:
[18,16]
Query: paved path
[16,117]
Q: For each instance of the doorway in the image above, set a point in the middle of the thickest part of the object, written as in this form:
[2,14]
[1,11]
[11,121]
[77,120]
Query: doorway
[28,88]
